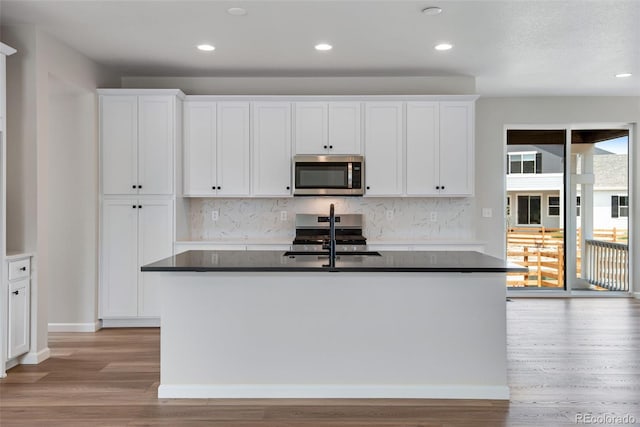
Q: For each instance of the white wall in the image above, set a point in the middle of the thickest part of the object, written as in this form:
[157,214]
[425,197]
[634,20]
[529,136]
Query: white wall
[459,85]
[44,61]
[73,204]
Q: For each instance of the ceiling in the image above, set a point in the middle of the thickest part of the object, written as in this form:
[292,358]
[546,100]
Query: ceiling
[511,47]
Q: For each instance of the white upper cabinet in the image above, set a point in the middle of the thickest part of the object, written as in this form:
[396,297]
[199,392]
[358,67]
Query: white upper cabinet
[383,148]
[457,148]
[217,147]
[327,128]
[137,142]
[233,148]
[200,148]
[271,173]
[439,149]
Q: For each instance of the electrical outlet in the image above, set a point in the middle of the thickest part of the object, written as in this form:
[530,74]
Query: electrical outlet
[283,215]
[215,215]
[434,216]
[487,212]
[390,214]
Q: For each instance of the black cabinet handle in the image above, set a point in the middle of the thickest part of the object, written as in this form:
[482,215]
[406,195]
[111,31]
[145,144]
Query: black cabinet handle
[139,186]
[213,188]
[133,186]
[368,188]
[219,188]
[331,147]
[134,206]
[325,146]
[288,188]
[23,268]
[437,187]
[139,206]
[442,187]
[16,292]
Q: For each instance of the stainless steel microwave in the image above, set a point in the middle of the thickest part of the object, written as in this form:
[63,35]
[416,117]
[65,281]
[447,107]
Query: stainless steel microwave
[328,175]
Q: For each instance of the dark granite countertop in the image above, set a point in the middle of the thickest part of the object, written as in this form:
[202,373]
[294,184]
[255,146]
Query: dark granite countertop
[389,261]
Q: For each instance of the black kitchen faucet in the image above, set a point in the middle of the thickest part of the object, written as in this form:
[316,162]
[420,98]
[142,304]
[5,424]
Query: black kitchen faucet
[331,245]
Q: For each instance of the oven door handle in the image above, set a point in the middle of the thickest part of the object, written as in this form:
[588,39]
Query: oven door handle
[350,175]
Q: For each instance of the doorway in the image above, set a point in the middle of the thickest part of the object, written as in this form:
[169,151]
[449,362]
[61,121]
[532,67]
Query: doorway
[568,209]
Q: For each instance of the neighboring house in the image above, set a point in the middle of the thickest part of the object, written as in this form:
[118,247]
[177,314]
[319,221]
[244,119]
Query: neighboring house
[535,189]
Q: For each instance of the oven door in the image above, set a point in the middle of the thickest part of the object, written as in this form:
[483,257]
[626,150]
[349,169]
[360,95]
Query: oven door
[327,175]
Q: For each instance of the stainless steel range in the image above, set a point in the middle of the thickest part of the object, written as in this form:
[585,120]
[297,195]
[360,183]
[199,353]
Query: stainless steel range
[312,232]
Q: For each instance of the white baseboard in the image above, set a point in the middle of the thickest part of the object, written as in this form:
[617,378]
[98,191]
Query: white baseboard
[285,391]
[33,358]
[74,327]
[143,322]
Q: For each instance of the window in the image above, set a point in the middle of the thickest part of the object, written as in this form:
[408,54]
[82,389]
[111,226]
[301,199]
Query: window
[529,209]
[619,206]
[553,206]
[524,162]
[577,205]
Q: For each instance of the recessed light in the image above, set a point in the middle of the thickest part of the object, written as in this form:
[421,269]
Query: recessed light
[237,11]
[444,46]
[621,75]
[323,46]
[432,10]
[206,47]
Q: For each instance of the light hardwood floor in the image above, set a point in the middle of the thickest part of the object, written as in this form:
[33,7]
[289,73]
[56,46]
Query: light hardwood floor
[567,358]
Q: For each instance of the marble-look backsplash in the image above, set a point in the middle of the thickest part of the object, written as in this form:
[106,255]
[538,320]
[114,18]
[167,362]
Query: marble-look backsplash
[260,219]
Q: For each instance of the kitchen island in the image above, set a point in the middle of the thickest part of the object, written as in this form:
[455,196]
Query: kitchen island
[260,324]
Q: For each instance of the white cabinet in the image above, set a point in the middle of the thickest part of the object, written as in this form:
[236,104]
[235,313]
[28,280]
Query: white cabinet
[327,128]
[137,138]
[134,233]
[383,147]
[271,172]
[439,149]
[18,337]
[217,144]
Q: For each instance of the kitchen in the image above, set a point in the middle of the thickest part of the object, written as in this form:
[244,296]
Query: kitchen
[75,299]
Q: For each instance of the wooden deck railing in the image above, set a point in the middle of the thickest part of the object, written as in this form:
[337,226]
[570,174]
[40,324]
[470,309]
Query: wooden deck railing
[542,251]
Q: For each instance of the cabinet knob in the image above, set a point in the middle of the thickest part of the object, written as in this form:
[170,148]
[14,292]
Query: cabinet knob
[16,292]
[325,147]
[368,188]
[139,206]
[437,187]
[23,268]
[442,187]
[134,206]
[288,187]
[213,188]
[133,186]
[219,188]
[139,186]
[331,147]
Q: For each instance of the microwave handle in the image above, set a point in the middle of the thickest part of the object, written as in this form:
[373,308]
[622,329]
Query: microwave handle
[350,175]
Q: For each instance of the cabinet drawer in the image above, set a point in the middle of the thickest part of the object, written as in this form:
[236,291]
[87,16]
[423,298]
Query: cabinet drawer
[19,269]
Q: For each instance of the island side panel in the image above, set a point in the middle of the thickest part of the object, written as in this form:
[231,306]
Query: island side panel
[293,334]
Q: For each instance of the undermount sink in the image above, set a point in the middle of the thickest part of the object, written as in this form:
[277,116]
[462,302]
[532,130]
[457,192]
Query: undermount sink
[338,253]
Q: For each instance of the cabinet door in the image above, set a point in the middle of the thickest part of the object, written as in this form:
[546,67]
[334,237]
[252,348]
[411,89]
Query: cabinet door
[155,242]
[456,148]
[199,148]
[119,144]
[119,259]
[271,149]
[422,148]
[18,318]
[311,128]
[233,149]
[344,128]
[156,121]
[383,148]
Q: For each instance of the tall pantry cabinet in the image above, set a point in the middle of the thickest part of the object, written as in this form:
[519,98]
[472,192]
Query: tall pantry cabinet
[139,150]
